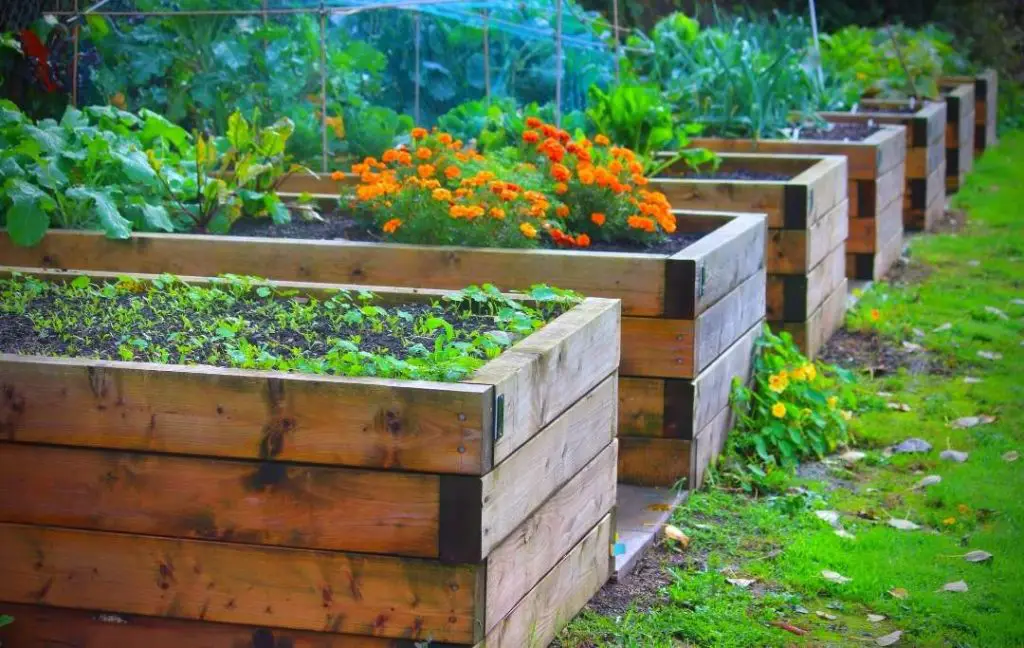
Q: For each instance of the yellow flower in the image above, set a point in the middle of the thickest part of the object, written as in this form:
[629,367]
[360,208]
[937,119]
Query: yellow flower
[778,383]
[847,415]
[779,410]
[950,521]
[529,231]
[810,371]
[832,401]
[798,374]
[861,76]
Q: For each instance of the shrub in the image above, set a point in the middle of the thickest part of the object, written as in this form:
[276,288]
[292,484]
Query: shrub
[550,189]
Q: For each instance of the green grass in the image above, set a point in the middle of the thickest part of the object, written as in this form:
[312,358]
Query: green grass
[978,505]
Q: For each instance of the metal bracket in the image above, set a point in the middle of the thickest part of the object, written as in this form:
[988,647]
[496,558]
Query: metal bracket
[701,280]
[499,417]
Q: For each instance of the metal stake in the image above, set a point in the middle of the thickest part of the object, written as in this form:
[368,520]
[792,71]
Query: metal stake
[416,68]
[323,87]
[558,63]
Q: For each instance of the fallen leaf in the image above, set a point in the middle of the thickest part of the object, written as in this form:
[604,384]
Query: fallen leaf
[885,394]
[1011,456]
[834,577]
[788,627]
[974,263]
[675,533]
[903,525]
[954,455]
[825,615]
[913,445]
[1017,302]
[843,533]
[945,327]
[890,639]
[876,618]
[977,556]
[831,517]
[990,355]
[992,310]
[899,593]
[918,332]
[930,480]
[911,346]
[971,380]
[852,456]
[661,508]
[742,583]
[801,610]
[958,586]
[902,407]
[971,421]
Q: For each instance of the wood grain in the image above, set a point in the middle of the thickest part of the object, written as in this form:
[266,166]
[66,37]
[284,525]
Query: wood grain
[812,335]
[406,425]
[521,483]
[231,501]
[708,445]
[191,579]
[794,298]
[795,252]
[645,461]
[642,406]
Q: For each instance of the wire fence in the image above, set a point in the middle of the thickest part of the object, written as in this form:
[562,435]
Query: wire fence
[332,64]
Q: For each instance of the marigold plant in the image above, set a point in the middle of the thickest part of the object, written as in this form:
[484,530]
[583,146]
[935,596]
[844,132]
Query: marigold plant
[551,190]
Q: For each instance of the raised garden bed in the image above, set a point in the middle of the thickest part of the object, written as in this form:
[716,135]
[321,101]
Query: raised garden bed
[986,107]
[959,133]
[681,311]
[924,200]
[875,165]
[367,509]
[805,199]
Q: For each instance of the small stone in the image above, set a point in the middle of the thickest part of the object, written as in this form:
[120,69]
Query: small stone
[974,263]
[852,456]
[992,310]
[945,327]
[953,455]
[990,355]
[913,445]
[971,380]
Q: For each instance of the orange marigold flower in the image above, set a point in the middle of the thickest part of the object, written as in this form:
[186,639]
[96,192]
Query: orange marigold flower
[498,213]
[641,223]
[390,155]
[452,171]
[508,195]
[583,240]
[392,225]
[404,158]
[424,153]
[426,170]
[560,172]
[603,177]
[531,137]
[615,167]
[529,231]
[562,211]
[419,133]
[602,140]
[441,195]
[533,122]
[444,138]
[563,136]
[561,188]
[431,184]
[586,176]
[598,218]
[548,130]
[636,167]
[337,176]
[640,180]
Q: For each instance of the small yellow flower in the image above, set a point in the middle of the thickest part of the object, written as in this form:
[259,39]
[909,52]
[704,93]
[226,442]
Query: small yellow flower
[950,521]
[778,383]
[875,315]
[779,410]
[529,231]
[963,508]
[798,374]
[847,415]
[832,401]
[810,371]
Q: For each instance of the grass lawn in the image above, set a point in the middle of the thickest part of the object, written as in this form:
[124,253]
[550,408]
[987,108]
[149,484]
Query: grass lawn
[964,294]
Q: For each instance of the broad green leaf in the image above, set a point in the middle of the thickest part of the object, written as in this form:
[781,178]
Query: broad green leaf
[98,26]
[135,166]
[50,141]
[239,134]
[277,210]
[115,225]
[157,218]
[26,222]
[157,127]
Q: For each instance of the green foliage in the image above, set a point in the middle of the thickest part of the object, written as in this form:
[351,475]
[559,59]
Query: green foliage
[6,620]
[500,124]
[246,323]
[794,410]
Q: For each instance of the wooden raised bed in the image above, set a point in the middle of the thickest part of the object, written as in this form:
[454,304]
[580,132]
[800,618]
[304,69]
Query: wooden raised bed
[986,107]
[383,509]
[681,312]
[959,133]
[807,219]
[875,167]
[924,200]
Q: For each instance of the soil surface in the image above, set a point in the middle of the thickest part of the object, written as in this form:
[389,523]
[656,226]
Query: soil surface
[870,352]
[643,586]
[840,132]
[344,228]
[899,110]
[739,174]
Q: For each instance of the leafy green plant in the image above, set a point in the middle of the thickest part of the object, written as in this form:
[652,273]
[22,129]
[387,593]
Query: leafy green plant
[890,62]
[793,409]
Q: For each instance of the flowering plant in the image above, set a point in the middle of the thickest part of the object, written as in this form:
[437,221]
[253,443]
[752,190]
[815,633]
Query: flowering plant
[551,190]
[793,408]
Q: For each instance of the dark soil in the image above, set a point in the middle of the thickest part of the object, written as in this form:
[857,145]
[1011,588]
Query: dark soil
[344,228]
[863,351]
[840,132]
[899,110]
[740,174]
[643,586]
[908,271]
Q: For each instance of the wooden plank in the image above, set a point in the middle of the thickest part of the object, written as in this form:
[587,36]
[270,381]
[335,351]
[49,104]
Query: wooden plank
[867,197]
[637,279]
[923,218]
[812,335]
[865,159]
[794,252]
[710,391]
[645,461]
[708,445]
[559,596]
[766,197]
[544,374]
[231,501]
[191,579]
[407,425]
[825,186]
[921,161]
[794,298]
[528,553]
[700,275]
[642,405]
[521,483]
[867,235]
[47,627]
[670,348]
